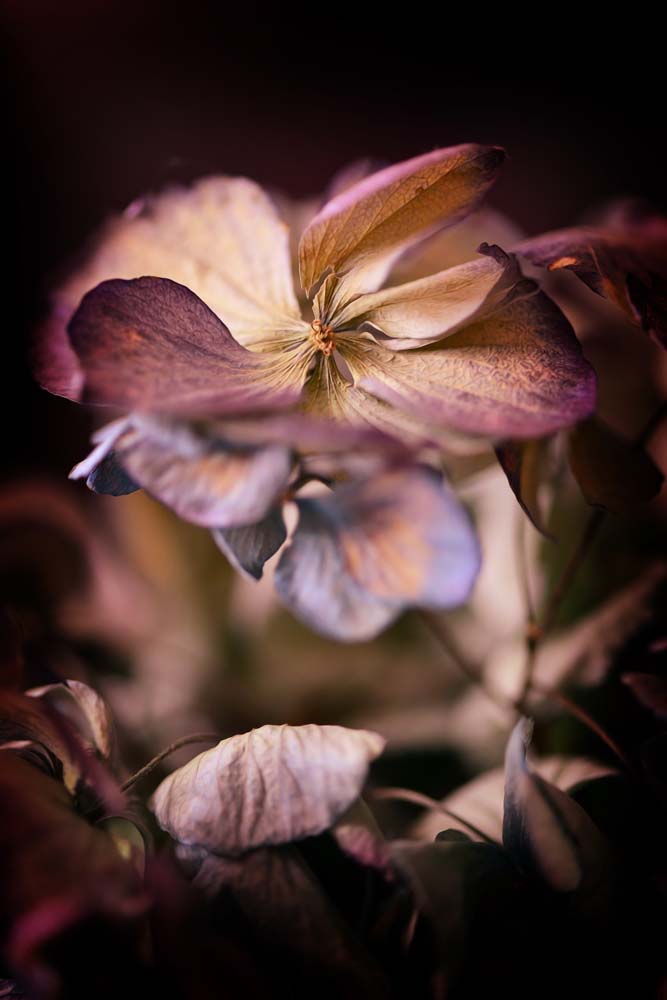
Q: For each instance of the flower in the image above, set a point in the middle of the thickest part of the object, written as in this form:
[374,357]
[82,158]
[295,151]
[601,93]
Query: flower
[474,350]
[470,353]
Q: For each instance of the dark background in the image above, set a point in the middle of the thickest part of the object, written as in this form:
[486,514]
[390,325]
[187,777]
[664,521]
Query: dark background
[106,100]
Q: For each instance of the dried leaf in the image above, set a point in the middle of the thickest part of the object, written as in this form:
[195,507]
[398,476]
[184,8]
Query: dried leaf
[611,472]
[522,463]
[273,785]
[624,261]
[544,830]
[85,709]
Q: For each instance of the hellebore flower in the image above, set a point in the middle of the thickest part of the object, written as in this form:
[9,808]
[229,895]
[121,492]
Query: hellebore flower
[506,361]
[473,352]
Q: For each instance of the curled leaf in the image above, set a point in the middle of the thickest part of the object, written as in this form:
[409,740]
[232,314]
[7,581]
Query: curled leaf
[85,709]
[624,261]
[544,830]
[523,463]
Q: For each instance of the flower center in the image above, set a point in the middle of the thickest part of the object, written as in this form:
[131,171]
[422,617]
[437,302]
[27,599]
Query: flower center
[323,337]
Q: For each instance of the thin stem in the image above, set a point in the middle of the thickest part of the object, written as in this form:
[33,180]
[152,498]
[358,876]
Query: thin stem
[474,674]
[446,640]
[183,741]
[426,802]
[580,713]
[558,594]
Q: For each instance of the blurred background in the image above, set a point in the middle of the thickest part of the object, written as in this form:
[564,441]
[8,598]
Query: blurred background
[108,100]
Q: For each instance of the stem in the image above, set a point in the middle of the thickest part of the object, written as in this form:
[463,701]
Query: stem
[474,674]
[591,528]
[419,799]
[183,741]
[582,715]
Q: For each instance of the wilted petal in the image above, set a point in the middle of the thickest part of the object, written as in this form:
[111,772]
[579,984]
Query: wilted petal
[424,311]
[152,344]
[273,785]
[203,478]
[370,550]
[249,546]
[544,829]
[520,373]
[363,229]
[626,263]
[222,238]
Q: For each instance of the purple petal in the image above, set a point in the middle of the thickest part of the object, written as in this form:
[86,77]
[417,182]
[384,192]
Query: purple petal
[202,478]
[150,343]
[520,373]
[369,550]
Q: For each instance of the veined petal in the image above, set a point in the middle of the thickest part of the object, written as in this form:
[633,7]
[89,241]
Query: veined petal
[328,393]
[202,478]
[150,343]
[359,232]
[519,373]
[626,263]
[429,309]
[370,550]
[222,238]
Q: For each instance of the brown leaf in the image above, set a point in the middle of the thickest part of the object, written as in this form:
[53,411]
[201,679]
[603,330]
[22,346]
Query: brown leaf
[522,463]
[611,472]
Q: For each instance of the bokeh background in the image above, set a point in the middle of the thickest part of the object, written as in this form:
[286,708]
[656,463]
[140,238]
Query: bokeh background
[108,100]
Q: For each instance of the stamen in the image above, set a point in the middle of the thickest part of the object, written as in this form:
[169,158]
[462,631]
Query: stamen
[323,337]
